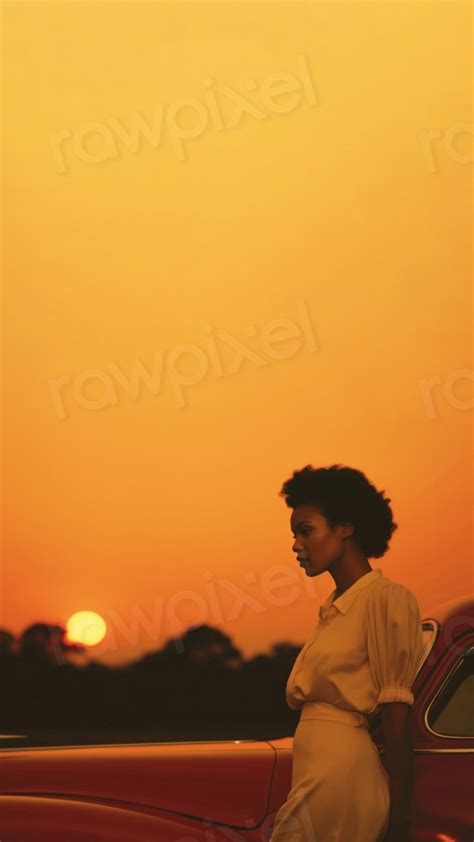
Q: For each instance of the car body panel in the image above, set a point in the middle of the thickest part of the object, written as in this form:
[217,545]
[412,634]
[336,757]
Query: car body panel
[46,819]
[282,774]
[443,797]
[194,779]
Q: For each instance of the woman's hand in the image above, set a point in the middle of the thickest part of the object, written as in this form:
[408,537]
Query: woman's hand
[398,833]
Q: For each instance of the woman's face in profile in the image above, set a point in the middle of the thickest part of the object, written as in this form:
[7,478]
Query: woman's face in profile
[317,545]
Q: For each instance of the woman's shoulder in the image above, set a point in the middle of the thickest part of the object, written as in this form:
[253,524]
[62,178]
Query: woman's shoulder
[387,589]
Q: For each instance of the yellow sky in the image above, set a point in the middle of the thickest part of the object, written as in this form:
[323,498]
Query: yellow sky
[237,240]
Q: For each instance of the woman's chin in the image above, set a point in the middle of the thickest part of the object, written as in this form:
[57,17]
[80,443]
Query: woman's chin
[310,570]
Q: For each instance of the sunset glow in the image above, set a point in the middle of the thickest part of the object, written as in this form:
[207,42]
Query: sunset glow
[86,627]
[237,239]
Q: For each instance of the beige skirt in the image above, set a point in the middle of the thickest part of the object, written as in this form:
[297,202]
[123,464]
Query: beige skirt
[339,786]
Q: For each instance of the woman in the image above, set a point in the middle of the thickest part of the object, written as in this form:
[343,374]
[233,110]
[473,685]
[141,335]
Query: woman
[361,659]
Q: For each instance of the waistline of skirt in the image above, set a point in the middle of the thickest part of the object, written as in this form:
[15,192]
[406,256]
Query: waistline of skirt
[323,710]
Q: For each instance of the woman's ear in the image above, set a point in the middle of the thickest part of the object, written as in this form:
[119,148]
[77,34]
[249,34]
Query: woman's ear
[348,530]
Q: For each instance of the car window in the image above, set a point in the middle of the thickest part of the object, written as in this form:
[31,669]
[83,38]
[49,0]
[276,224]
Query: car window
[430,632]
[450,714]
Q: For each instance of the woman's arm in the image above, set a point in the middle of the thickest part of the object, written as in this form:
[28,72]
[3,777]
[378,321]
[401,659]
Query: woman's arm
[399,763]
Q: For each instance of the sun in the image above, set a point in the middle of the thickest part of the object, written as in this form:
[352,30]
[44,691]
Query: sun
[86,627]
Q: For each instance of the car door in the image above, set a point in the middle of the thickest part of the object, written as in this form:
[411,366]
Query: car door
[444,750]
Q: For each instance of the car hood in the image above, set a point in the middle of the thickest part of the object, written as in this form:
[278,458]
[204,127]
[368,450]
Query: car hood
[224,781]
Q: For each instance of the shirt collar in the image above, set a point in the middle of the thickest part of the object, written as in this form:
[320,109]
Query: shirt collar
[344,602]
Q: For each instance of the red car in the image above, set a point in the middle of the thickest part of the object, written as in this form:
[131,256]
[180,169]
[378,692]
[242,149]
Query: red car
[231,789]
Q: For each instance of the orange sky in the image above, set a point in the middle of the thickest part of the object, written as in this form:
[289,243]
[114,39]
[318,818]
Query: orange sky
[237,240]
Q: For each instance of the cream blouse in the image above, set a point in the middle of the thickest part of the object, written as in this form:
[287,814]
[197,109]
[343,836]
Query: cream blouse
[365,649]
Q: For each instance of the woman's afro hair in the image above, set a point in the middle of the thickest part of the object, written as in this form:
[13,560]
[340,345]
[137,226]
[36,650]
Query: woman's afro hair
[344,495]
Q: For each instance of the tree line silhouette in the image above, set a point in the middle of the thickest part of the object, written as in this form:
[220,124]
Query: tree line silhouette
[197,686]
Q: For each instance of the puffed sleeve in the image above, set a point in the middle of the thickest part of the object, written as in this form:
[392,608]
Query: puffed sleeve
[394,642]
